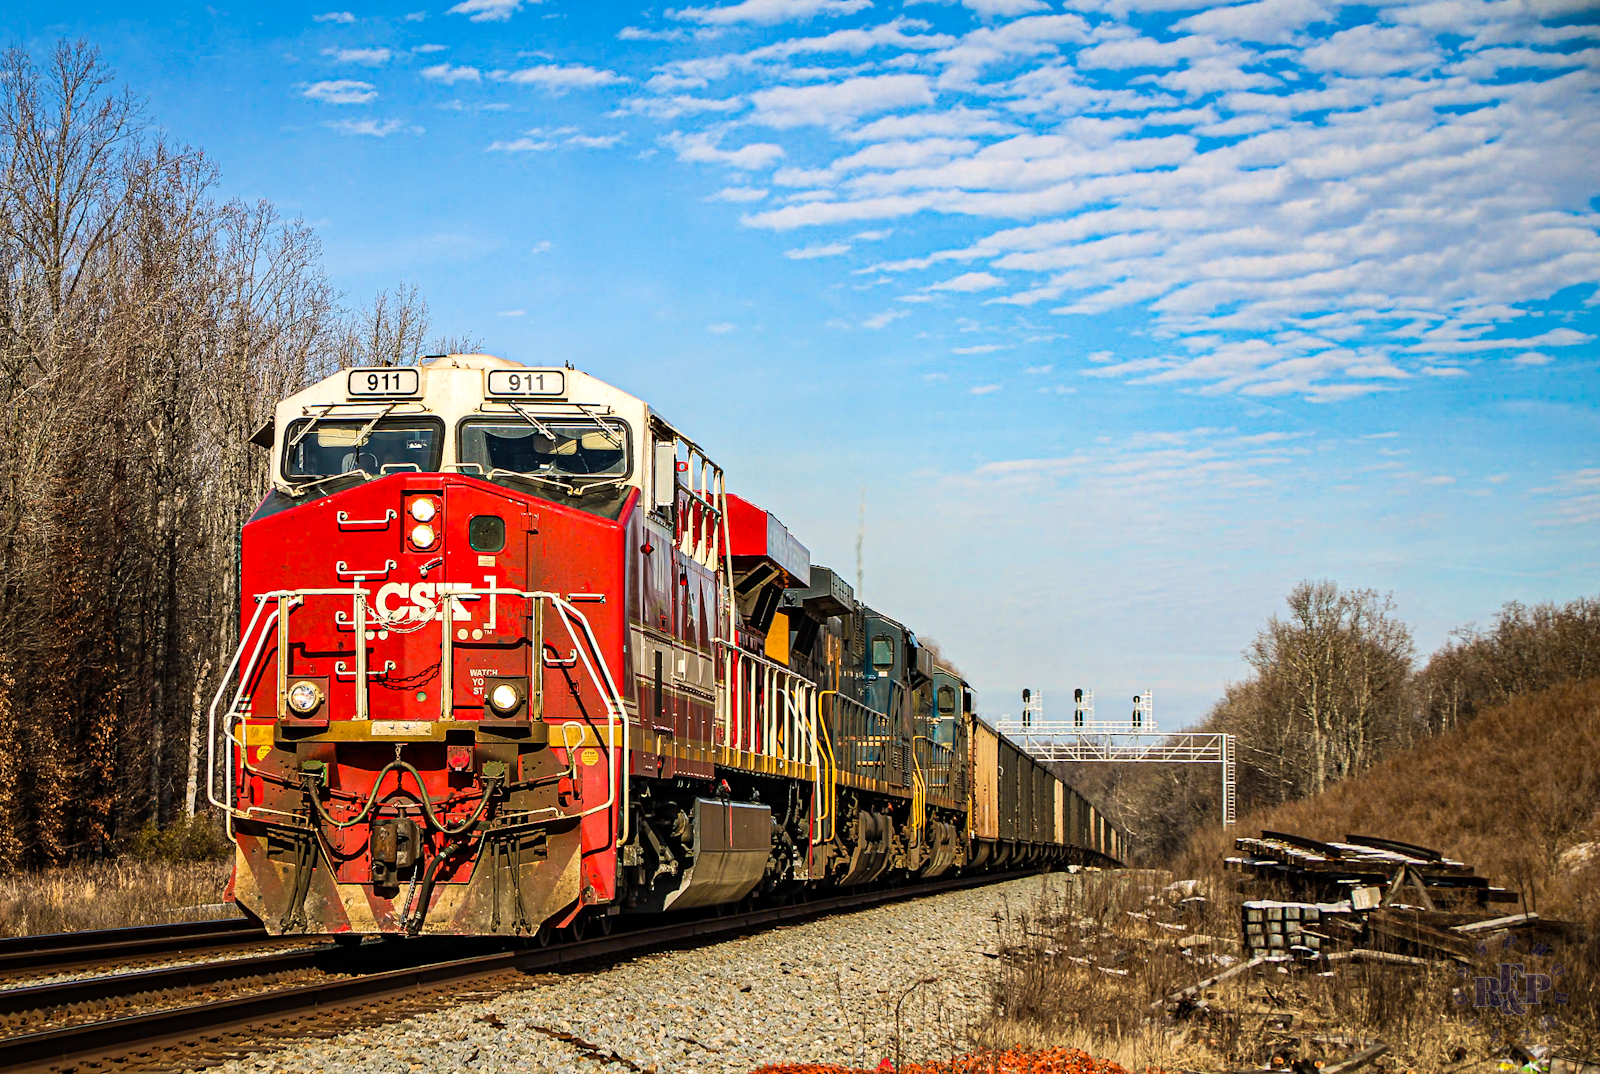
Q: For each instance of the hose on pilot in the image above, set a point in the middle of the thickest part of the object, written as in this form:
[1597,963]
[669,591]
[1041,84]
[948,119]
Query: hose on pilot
[425,896]
[313,778]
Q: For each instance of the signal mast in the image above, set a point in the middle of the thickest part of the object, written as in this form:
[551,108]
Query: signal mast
[1135,740]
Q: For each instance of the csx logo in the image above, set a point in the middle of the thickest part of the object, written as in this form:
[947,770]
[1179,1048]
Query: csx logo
[424,598]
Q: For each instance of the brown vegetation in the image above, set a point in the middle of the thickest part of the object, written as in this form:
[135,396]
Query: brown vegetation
[113,894]
[1097,970]
[1333,693]
[1508,792]
[146,330]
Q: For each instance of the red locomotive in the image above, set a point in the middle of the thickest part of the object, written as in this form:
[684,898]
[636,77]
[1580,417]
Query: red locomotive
[513,659]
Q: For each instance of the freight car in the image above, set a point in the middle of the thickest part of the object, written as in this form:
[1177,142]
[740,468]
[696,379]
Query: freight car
[513,659]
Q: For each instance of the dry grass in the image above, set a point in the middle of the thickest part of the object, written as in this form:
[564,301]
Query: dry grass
[1506,793]
[113,894]
[1085,970]
[1081,967]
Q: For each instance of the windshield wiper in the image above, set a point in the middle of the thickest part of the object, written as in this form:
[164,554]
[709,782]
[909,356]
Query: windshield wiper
[611,434]
[312,424]
[533,421]
[361,437]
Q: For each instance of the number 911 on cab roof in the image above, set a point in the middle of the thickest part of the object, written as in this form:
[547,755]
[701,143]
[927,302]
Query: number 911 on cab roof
[526,383]
[384,381]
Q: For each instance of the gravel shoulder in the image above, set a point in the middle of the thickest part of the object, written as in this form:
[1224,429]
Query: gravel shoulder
[842,990]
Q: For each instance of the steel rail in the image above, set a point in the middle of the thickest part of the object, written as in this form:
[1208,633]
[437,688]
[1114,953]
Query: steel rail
[62,1048]
[70,950]
[56,994]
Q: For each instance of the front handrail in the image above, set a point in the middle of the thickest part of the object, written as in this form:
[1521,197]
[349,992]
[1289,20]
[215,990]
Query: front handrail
[283,601]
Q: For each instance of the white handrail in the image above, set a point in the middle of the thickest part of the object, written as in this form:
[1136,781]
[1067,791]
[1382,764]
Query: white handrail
[616,710]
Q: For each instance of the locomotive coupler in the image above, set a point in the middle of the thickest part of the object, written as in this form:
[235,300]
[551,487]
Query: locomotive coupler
[396,844]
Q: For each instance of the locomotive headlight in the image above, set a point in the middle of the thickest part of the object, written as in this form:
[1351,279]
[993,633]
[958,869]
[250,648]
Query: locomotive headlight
[304,697]
[423,536]
[504,698]
[423,509]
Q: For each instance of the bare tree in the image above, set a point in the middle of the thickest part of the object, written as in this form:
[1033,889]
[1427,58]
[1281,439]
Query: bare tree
[388,331]
[145,332]
[1335,672]
[1526,649]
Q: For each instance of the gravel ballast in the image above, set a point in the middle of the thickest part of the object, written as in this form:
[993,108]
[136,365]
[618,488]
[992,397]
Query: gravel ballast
[824,991]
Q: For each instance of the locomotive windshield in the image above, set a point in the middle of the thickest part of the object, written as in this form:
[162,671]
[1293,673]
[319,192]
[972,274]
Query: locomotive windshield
[558,449]
[583,464]
[329,448]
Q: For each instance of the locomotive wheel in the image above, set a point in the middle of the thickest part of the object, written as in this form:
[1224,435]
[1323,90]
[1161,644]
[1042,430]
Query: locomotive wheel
[543,935]
[604,923]
[578,929]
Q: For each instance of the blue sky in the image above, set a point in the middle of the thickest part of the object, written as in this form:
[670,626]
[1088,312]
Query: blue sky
[1126,314]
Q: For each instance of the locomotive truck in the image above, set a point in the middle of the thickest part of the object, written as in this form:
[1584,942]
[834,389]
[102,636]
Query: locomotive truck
[512,659]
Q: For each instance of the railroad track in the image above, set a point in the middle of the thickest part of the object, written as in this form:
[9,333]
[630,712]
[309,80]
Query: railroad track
[236,1025]
[63,951]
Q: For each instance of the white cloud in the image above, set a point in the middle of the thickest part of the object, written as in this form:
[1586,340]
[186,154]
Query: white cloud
[423,50]
[416,16]
[1577,496]
[1372,50]
[768,12]
[738,194]
[512,313]
[670,108]
[524,144]
[1532,358]
[367,57]
[558,78]
[988,46]
[983,389]
[344,17]
[958,122]
[899,33]
[449,76]
[1384,205]
[1273,21]
[968,282]
[1556,337]
[540,247]
[488,10]
[807,253]
[640,33]
[341,91]
[894,155]
[981,348]
[721,328]
[838,103]
[542,140]
[1007,8]
[884,319]
[702,148]
[373,128]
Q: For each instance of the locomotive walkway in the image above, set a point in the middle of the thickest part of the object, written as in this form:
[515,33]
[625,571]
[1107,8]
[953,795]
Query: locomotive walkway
[375,988]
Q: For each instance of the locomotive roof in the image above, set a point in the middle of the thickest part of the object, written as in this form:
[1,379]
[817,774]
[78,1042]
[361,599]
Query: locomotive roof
[452,387]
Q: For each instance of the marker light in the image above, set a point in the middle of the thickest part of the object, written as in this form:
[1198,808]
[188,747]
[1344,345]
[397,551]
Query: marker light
[424,509]
[304,697]
[423,536]
[504,698]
